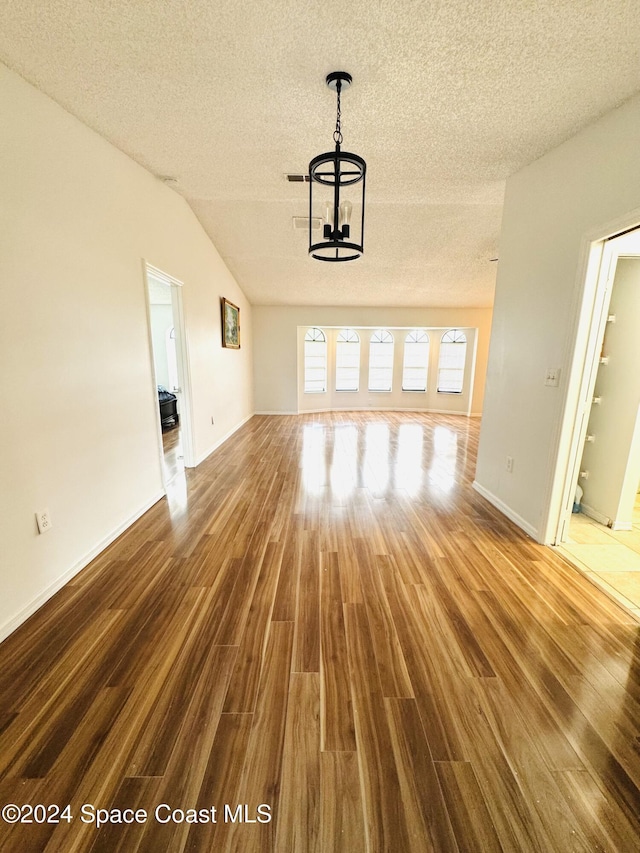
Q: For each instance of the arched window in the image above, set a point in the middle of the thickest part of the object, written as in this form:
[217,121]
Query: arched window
[453,354]
[315,361]
[416,361]
[347,360]
[381,361]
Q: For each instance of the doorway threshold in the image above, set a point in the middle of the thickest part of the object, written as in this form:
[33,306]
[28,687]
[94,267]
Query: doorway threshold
[609,559]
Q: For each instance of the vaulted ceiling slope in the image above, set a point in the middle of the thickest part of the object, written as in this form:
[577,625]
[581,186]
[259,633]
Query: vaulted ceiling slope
[449,98]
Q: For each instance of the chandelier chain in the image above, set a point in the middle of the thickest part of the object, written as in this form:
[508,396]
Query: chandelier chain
[337,133]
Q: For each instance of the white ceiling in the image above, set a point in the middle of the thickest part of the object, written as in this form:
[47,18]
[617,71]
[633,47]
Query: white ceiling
[449,98]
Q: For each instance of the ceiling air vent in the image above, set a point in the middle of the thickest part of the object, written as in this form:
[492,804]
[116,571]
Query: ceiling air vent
[297,179]
[301,223]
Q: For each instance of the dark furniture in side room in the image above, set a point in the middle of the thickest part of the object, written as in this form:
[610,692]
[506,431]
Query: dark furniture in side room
[168,403]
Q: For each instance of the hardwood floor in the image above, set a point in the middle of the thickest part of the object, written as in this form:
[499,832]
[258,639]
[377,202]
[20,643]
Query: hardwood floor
[173,458]
[325,625]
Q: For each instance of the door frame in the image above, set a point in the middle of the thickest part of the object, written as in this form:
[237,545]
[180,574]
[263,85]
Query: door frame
[182,355]
[601,266]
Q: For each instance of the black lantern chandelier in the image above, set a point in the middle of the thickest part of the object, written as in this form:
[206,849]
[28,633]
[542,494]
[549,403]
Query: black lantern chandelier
[330,173]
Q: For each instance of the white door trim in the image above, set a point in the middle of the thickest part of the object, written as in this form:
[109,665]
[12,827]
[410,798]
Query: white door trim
[182,353]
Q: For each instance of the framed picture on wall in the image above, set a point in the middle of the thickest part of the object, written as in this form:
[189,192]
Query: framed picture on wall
[230,325]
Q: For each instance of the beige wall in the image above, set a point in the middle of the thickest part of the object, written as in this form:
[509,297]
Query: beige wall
[554,209]
[78,416]
[276,344]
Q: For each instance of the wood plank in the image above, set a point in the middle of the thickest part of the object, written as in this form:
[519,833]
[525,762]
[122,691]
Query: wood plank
[182,779]
[261,775]
[284,606]
[342,825]
[392,668]
[221,782]
[103,776]
[134,793]
[306,656]
[429,822]
[609,825]
[350,582]
[558,817]
[59,786]
[26,734]
[233,621]
[337,725]
[434,680]
[472,824]
[525,701]
[298,826]
[386,824]
[243,689]
[164,726]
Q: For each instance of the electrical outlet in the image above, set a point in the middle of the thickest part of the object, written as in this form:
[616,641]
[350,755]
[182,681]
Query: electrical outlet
[509,465]
[553,377]
[43,519]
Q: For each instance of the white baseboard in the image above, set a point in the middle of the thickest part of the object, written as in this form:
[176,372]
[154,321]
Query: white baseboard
[222,440]
[421,410]
[506,510]
[277,413]
[595,515]
[604,519]
[622,525]
[12,624]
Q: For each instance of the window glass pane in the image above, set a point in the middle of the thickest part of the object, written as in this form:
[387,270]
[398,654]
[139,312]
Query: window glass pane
[347,361]
[315,362]
[416,360]
[418,336]
[453,352]
[315,335]
[348,335]
[381,361]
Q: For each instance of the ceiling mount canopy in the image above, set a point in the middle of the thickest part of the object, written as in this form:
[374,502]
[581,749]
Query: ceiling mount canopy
[330,174]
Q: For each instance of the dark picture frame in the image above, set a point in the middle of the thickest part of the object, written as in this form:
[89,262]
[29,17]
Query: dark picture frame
[230,325]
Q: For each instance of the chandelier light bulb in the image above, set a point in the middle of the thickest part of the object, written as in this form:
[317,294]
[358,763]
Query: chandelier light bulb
[345,212]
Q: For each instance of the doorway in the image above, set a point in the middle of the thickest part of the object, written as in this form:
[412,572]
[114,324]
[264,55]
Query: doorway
[599,528]
[172,397]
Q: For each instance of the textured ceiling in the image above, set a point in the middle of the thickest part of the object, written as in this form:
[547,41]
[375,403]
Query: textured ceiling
[449,98]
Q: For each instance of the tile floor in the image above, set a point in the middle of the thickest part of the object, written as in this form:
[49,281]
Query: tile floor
[610,558]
